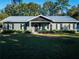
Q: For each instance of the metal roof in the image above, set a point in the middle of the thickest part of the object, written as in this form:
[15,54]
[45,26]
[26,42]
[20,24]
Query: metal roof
[29,18]
[17,19]
[62,19]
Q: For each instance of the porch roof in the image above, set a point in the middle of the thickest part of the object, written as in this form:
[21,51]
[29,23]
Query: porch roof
[29,18]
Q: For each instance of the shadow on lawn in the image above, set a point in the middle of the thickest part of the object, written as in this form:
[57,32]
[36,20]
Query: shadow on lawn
[27,46]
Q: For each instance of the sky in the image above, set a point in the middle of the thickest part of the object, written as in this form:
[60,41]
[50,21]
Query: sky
[3,3]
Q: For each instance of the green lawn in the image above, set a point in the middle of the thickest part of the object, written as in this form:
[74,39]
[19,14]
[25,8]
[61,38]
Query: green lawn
[28,46]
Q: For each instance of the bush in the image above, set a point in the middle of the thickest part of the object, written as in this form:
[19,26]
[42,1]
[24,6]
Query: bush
[70,31]
[45,31]
[14,31]
[7,31]
[18,31]
[10,31]
[56,31]
[27,32]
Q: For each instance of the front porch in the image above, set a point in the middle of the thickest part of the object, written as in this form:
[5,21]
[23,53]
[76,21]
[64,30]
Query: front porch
[38,26]
[50,26]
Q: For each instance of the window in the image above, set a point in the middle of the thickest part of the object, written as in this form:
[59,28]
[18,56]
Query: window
[22,26]
[10,26]
[66,26]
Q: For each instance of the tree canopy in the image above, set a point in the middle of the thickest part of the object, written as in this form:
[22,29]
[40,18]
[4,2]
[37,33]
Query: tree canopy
[58,8]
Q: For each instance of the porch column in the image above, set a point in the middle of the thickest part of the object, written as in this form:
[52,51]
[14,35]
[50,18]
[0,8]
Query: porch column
[30,26]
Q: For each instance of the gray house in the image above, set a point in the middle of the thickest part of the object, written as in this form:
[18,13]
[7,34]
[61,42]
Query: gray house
[36,23]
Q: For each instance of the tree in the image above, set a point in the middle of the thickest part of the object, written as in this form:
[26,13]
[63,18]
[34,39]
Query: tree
[3,15]
[31,9]
[48,8]
[16,10]
[11,10]
[74,12]
[63,5]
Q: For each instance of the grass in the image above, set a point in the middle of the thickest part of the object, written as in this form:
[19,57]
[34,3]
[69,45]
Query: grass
[50,46]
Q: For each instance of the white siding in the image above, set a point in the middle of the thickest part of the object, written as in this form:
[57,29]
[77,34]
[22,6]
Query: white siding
[10,26]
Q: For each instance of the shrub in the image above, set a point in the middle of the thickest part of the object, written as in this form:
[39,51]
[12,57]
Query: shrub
[45,31]
[7,31]
[14,31]
[27,32]
[18,31]
[63,31]
[10,31]
[69,31]
[56,31]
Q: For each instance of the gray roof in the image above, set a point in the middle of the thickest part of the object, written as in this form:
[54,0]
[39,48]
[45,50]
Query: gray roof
[17,19]
[62,19]
[28,18]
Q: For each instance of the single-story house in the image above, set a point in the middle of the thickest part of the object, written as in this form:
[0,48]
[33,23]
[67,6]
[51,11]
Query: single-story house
[37,23]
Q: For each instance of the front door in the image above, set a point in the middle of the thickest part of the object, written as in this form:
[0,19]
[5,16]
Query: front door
[35,27]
